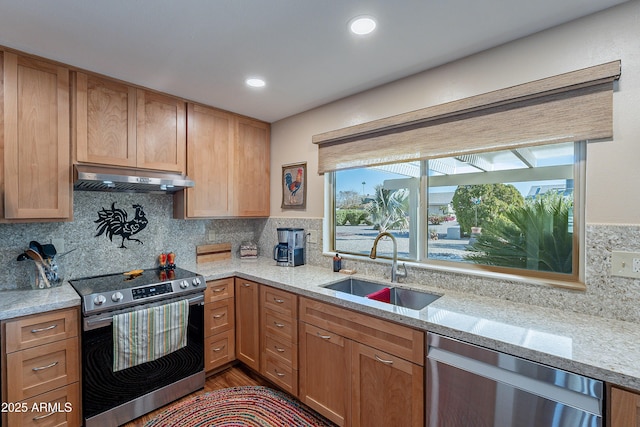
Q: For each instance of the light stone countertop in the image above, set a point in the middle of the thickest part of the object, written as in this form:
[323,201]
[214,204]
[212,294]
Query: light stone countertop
[600,348]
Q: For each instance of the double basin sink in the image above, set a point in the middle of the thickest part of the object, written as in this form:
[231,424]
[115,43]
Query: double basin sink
[408,298]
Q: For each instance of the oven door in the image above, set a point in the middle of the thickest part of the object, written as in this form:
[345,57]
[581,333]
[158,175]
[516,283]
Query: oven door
[148,385]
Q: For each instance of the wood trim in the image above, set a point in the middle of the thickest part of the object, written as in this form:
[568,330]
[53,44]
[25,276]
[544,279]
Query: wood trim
[570,107]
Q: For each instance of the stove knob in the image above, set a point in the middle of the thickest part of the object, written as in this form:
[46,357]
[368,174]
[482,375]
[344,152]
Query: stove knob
[99,300]
[117,297]
[196,281]
[184,284]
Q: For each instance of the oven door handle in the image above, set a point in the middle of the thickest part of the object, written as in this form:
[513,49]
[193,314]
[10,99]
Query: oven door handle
[90,324]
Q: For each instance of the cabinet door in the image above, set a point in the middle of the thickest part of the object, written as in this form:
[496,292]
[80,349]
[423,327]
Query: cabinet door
[324,381]
[625,408]
[209,160]
[105,115]
[386,390]
[161,132]
[37,174]
[248,323]
[251,182]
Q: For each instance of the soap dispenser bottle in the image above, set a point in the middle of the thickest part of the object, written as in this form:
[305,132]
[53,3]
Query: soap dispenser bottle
[337,263]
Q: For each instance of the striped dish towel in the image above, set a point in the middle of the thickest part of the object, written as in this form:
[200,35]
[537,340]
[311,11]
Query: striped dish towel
[145,335]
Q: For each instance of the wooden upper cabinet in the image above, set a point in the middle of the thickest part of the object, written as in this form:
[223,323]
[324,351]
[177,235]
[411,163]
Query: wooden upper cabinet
[161,132]
[209,160]
[251,168]
[228,158]
[37,173]
[625,408]
[105,121]
[119,125]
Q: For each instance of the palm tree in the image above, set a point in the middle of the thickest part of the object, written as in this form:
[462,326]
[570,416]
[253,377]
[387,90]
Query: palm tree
[389,209]
[535,236]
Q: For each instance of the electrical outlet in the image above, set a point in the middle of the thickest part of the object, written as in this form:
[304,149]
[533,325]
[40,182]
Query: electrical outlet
[625,264]
[211,236]
[313,236]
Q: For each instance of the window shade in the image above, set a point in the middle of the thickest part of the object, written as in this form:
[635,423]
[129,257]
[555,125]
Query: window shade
[575,106]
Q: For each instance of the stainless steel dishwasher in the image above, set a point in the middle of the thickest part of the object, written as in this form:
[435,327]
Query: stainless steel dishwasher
[469,386]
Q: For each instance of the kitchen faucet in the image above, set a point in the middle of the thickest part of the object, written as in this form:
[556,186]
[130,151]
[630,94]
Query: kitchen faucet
[394,267]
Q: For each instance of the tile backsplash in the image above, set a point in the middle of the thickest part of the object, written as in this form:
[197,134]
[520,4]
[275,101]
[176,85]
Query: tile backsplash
[606,296]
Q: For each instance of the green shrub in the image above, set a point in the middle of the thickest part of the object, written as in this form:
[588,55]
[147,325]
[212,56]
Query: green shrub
[351,216]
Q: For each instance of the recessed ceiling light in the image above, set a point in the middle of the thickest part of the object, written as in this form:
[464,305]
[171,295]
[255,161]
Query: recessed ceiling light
[362,25]
[255,82]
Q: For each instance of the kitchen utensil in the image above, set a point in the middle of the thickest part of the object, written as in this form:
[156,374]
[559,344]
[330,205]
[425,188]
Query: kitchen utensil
[36,247]
[48,251]
[42,269]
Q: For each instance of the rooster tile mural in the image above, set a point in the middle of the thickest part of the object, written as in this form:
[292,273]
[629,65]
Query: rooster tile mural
[294,186]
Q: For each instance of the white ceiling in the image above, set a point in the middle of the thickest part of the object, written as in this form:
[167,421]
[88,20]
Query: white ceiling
[203,50]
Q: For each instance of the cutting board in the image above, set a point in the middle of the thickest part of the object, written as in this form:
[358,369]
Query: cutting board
[215,252]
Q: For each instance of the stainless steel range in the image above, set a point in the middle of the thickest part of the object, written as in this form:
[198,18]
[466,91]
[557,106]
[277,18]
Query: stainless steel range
[113,398]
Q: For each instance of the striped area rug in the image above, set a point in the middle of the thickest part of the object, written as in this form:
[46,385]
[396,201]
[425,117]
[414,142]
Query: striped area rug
[251,406]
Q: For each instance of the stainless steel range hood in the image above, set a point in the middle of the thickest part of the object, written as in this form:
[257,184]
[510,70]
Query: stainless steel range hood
[105,178]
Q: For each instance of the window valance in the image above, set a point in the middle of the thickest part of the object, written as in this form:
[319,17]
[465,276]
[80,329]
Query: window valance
[574,106]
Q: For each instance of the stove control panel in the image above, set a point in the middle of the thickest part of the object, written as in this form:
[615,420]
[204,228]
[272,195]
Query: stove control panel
[152,290]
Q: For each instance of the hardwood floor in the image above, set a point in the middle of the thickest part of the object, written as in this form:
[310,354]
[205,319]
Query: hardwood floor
[234,376]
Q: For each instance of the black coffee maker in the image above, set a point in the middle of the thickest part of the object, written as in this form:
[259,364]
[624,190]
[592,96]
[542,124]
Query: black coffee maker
[281,250]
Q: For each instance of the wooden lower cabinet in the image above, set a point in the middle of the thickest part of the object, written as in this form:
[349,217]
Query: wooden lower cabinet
[385,390]
[624,408]
[358,370]
[248,323]
[41,369]
[325,360]
[219,324]
[54,408]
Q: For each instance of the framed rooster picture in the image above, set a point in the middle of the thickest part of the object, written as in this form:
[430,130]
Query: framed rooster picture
[294,186]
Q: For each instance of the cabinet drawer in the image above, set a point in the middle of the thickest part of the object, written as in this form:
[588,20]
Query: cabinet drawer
[40,369]
[395,339]
[60,407]
[279,301]
[219,350]
[282,350]
[276,324]
[218,290]
[218,316]
[31,331]
[282,375]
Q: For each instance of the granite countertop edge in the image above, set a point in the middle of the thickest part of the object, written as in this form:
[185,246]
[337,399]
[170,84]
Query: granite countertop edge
[597,347]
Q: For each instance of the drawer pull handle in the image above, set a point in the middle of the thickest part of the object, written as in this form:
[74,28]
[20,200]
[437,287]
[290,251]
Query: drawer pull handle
[216,290]
[324,337]
[280,374]
[278,325]
[279,301]
[388,362]
[278,349]
[217,316]
[48,328]
[40,417]
[246,285]
[218,349]
[44,367]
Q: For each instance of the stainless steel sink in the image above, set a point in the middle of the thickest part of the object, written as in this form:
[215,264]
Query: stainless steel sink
[400,297]
[357,287]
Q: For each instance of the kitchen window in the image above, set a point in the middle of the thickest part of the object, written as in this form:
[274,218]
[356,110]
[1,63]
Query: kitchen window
[507,211]
[491,183]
